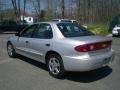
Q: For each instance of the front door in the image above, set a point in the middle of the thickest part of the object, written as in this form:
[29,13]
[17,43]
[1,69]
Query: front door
[23,42]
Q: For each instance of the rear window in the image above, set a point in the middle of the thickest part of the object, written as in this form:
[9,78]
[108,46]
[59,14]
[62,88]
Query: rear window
[73,30]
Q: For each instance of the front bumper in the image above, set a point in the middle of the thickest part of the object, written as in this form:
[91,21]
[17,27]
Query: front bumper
[87,64]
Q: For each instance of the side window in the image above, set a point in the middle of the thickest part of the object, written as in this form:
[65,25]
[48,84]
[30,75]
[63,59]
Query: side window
[44,31]
[29,31]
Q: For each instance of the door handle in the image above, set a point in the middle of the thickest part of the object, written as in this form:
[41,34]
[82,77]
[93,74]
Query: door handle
[26,41]
[47,45]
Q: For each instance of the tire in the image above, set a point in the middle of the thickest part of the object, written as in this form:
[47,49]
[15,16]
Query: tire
[55,66]
[10,50]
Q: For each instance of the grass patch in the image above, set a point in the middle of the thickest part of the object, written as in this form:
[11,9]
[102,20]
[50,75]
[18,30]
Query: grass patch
[98,28]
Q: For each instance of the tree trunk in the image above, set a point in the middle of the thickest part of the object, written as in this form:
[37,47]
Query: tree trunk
[24,8]
[63,8]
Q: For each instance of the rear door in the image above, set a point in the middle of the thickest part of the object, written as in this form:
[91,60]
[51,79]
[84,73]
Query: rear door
[41,41]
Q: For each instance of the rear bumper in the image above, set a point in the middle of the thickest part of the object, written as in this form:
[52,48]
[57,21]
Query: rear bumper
[87,64]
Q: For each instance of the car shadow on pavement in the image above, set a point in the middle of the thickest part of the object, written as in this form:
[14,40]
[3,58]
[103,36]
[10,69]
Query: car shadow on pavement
[87,77]
[33,62]
[84,77]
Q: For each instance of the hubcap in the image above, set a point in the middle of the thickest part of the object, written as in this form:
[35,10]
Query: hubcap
[10,50]
[54,65]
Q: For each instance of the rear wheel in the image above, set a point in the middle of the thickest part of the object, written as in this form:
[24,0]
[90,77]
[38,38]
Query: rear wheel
[11,50]
[55,66]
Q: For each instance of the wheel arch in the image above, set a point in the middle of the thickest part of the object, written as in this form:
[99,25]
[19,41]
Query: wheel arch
[51,52]
[9,42]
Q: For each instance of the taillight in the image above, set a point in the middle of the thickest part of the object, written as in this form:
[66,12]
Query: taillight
[93,46]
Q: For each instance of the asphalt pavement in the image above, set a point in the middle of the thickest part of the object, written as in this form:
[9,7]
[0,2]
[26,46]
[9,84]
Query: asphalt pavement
[25,74]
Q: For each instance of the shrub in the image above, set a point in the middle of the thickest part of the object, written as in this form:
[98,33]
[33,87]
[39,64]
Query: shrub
[98,28]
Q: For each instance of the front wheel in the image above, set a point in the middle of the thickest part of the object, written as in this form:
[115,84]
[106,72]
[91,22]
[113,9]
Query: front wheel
[11,50]
[55,66]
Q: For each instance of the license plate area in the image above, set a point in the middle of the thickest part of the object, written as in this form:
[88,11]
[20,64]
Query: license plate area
[98,52]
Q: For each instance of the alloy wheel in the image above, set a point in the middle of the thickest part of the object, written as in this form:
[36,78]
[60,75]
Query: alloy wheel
[54,65]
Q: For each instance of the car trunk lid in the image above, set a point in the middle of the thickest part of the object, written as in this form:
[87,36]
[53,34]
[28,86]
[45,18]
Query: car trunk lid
[93,44]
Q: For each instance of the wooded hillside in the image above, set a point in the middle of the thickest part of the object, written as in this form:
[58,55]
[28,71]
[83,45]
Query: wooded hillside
[85,11]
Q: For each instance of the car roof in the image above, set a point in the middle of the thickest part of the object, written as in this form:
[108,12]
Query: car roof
[50,22]
[60,19]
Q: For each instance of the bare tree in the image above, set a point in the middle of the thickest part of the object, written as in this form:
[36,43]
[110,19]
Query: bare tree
[24,7]
[0,10]
[78,3]
[37,7]
[49,9]
[83,10]
[63,8]
[14,3]
[19,10]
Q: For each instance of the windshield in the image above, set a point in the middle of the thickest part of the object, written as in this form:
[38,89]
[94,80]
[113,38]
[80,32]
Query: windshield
[73,30]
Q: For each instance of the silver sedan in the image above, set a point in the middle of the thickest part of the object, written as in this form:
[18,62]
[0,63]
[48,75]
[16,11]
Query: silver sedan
[62,46]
